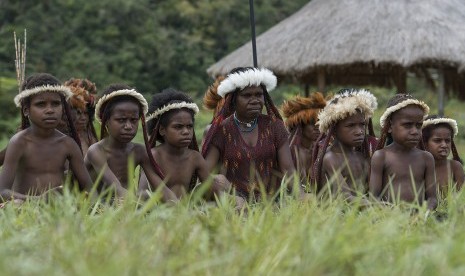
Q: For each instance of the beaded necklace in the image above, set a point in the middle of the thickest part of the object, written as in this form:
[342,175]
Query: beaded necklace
[249,125]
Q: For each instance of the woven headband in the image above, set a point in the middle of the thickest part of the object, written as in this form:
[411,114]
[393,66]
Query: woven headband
[124,92]
[168,107]
[251,77]
[65,91]
[435,121]
[401,105]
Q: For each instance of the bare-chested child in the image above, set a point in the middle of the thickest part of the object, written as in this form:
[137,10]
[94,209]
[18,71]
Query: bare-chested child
[438,138]
[400,170]
[36,155]
[119,110]
[343,166]
[301,115]
[171,123]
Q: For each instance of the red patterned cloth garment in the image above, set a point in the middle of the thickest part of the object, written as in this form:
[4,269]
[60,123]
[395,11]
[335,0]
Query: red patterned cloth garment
[247,166]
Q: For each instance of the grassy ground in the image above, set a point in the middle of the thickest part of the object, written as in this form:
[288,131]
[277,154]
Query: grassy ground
[69,236]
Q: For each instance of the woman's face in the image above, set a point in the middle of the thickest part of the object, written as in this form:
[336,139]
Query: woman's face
[249,102]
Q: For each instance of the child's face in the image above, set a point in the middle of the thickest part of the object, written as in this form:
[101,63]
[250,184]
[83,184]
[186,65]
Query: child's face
[45,110]
[439,144]
[180,130]
[123,122]
[406,126]
[81,119]
[310,131]
[351,130]
[249,102]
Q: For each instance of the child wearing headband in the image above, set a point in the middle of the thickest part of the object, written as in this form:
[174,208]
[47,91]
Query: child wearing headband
[438,138]
[119,111]
[36,155]
[400,170]
[343,166]
[171,123]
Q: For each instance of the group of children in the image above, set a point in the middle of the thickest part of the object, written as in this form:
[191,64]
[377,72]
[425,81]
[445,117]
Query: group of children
[332,143]
[409,162]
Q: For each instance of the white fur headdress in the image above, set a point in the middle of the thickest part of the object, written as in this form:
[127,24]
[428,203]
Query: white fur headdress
[168,107]
[346,104]
[435,121]
[251,77]
[123,92]
[65,91]
[401,105]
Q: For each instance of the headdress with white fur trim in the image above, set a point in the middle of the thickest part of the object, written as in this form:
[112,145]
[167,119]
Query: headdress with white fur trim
[250,77]
[123,92]
[346,103]
[442,120]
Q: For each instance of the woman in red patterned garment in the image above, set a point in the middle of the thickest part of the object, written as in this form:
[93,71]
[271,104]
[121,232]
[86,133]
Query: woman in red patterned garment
[251,148]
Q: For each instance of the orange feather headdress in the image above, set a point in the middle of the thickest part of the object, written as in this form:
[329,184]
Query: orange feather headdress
[303,110]
[211,99]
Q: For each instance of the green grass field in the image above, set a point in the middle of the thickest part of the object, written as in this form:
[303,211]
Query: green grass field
[70,236]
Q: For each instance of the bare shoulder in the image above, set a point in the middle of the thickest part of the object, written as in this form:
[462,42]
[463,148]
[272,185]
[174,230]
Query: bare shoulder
[379,154]
[331,160]
[196,156]
[95,149]
[20,139]
[455,165]
[427,155]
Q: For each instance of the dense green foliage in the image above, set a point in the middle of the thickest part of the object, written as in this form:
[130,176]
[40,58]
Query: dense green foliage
[151,44]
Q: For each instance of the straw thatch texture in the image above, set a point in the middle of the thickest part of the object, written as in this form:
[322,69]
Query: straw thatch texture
[368,38]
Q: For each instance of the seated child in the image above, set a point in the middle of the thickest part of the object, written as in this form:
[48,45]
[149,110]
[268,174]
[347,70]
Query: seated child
[119,110]
[171,123]
[301,115]
[343,166]
[35,156]
[400,170]
[83,106]
[438,138]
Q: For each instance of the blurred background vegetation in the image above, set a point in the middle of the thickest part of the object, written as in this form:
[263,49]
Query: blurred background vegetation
[148,44]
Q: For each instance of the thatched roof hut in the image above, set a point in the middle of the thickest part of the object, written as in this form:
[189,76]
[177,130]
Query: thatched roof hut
[361,42]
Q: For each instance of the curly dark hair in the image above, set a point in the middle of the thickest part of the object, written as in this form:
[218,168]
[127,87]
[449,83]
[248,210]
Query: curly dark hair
[159,100]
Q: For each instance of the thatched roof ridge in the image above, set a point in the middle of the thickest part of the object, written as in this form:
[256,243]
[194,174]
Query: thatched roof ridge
[328,33]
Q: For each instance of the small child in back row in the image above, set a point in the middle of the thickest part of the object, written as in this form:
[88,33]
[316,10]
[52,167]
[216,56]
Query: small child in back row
[438,139]
[36,156]
[343,166]
[119,110]
[400,170]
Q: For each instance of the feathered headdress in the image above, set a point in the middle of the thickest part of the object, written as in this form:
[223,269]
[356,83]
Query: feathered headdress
[124,92]
[250,77]
[303,110]
[346,103]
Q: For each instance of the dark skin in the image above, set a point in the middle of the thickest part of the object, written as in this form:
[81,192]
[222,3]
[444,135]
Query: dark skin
[343,166]
[112,153]
[81,121]
[35,157]
[249,105]
[309,135]
[439,145]
[394,167]
[177,161]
